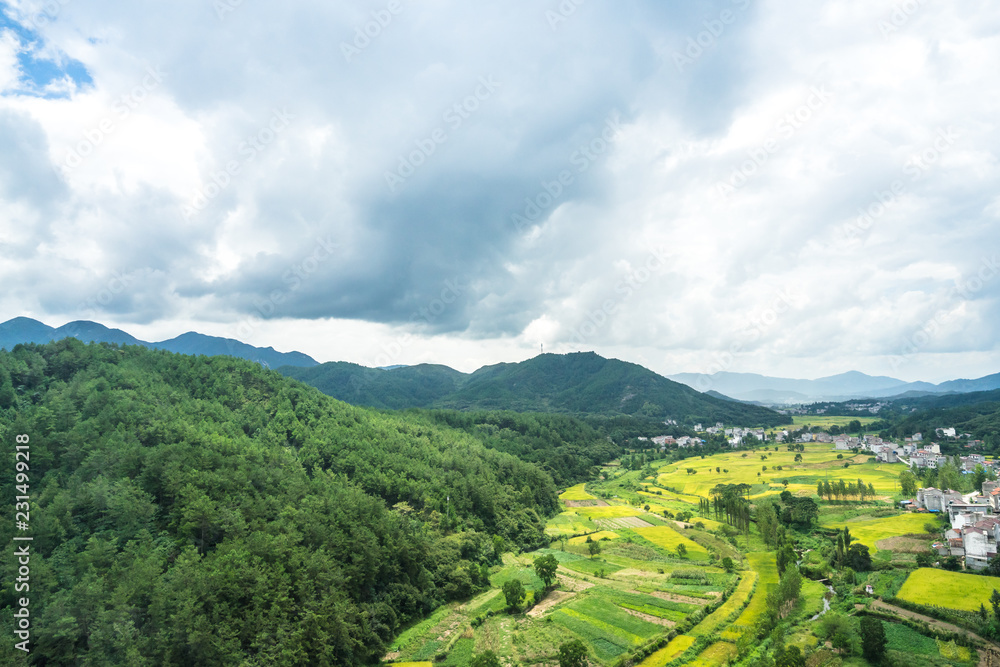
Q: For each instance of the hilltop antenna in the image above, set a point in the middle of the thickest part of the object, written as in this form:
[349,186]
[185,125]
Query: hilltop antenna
[542,346]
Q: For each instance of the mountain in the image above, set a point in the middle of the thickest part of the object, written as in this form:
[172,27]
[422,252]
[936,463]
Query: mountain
[394,388]
[259,521]
[579,383]
[26,330]
[841,387]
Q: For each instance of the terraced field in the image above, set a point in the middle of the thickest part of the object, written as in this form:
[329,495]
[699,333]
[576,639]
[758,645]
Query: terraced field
[955,590]
[676,646]
[668,538]
[766,568]
[870,531]
[819,462]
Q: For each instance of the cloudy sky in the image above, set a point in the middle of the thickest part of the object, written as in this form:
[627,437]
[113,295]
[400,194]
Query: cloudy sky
[788,188]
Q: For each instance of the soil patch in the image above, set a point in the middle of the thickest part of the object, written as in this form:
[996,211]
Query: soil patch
[649,617]
[551,600]
[585,503]
[674,597]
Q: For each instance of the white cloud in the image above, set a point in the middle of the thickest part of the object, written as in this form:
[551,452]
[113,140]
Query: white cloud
[809,114]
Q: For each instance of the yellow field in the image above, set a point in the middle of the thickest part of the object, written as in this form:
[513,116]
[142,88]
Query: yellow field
[823,421]
[870,531]
[609,512]
[669,496]
[569,523]
[595,537]
[667,538]
[766,567]
[575,493]
[819,461]
[719,653]
[715,620]
[676,646]
[955,590]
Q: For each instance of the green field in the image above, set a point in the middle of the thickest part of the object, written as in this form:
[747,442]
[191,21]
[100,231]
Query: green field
[870,531]
[954,590]
[570,523]
[719,653]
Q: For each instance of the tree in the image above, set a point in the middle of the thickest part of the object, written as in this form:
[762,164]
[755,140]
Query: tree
[784,558]
[927,558]
[545,568]
[858,558]
[728,565]
[486,659]
[573,654]
[907,483]
[872,639]
[513,591]
[681,550]
[594,548]
[790,657]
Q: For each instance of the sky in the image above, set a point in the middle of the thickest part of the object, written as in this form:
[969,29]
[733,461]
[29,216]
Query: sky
[787,188]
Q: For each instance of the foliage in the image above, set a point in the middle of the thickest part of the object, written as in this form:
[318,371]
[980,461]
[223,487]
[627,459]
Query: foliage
[211,499]
[573,654]
[873,639]
[485,659]
[545,567]
[513,593]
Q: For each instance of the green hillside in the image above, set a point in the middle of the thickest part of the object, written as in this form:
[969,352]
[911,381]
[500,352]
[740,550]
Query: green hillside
[194,510]
[396,389]
[581,383]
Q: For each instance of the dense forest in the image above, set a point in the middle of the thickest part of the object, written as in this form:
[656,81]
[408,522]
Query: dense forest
[206,510]
[581,384]
[565,447]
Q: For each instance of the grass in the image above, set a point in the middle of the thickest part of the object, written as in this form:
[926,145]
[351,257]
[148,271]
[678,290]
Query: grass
[667,539]
[954,590]
[819,462]
[719,653]
[766,568]
[676,646]
[412,664]
[870,531]
[717,618]
[595,537]
[576,493]
[570,523]
[609,511]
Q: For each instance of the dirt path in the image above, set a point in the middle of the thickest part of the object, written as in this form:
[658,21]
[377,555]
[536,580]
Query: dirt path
[551,600]
[988,657]
[675,597]
[649,617]
[572,583]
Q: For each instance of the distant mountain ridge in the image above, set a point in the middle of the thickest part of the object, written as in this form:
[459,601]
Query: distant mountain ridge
[578,383]
[842,387]
[26,330]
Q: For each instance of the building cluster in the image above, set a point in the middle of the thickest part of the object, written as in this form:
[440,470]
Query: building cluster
[974,522]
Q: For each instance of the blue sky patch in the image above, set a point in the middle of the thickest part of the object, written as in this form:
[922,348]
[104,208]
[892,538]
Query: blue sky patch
[39,72]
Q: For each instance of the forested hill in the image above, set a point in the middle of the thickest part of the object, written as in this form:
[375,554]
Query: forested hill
[580,383]
[193,510]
